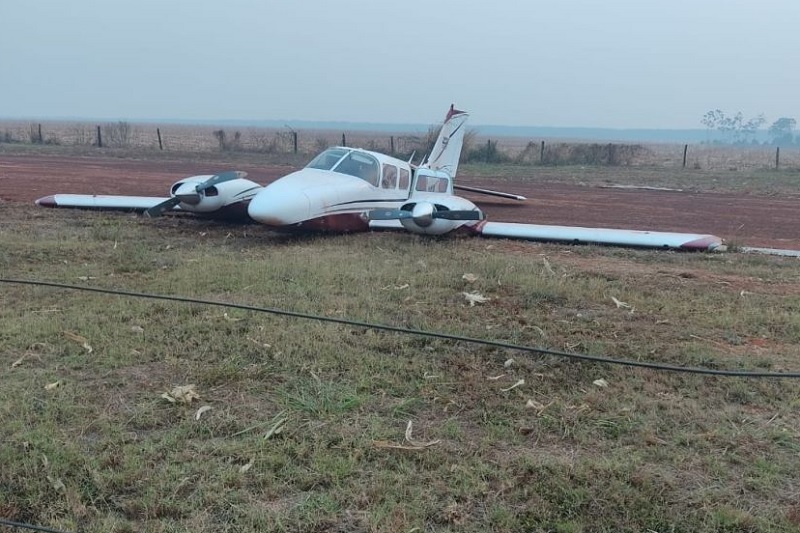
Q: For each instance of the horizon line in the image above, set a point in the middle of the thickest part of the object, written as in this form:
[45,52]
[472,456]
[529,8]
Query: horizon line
[362,124]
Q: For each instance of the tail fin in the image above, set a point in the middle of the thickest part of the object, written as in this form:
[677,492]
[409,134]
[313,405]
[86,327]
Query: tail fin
[447,150]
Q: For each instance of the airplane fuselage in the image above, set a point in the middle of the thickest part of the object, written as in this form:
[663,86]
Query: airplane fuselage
[336,190]
[320,199]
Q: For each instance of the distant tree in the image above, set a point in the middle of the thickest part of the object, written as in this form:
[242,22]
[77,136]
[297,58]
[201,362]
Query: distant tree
[730,125]
[747,130]
[782,130]
[734,129]
[712,119]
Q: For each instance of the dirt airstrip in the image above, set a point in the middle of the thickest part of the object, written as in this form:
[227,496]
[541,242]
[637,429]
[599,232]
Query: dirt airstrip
[740,218]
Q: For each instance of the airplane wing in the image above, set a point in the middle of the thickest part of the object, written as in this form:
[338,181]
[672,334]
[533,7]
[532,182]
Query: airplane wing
[618,237]
[579,235]
[224,195]
[101,202]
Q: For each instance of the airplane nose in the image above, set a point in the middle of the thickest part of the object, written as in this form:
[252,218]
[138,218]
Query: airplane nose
[274,209]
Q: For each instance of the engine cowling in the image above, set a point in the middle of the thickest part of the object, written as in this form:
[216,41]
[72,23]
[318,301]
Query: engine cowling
[214,197]
[428,217]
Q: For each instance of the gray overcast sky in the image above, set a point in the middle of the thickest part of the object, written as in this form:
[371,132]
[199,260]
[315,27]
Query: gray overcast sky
[604,63]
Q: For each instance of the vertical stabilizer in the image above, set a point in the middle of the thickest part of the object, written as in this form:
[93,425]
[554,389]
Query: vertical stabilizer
[447,150]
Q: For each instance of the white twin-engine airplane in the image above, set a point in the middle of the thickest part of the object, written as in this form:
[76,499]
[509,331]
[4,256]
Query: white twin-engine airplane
[350,189]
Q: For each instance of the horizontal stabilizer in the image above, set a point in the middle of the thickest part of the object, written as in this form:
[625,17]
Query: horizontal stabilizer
[490,192]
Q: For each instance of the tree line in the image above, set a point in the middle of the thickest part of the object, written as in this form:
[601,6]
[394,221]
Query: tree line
[735,129]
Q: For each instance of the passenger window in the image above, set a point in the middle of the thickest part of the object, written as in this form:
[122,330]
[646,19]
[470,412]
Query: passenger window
[389,180]
[404,178]
[432,184]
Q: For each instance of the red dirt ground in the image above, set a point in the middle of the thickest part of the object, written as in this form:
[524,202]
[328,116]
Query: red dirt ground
[742,219]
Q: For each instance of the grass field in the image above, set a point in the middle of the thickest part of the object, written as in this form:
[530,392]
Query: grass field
[308,426]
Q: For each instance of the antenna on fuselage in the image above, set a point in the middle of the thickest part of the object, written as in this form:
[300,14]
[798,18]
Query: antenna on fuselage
[410,159]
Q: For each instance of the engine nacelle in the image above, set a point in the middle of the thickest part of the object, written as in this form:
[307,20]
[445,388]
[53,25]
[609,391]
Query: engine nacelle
[424,212]
[212,198]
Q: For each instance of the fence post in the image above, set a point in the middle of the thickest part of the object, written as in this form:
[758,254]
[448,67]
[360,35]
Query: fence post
[344,141]
[99,138]
[777,157]
[294,141]
[541,154]
[391,144]
[158,132]
[41,141]
[685,149]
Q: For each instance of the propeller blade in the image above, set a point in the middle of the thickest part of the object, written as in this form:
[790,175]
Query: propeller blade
[459,215]
[163,207]
[399,214]
[388,214]
[220,178]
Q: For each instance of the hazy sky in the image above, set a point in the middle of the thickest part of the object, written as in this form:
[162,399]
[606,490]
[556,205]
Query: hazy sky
[604,63]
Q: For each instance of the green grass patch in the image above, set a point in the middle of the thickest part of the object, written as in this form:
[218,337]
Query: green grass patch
[307,424]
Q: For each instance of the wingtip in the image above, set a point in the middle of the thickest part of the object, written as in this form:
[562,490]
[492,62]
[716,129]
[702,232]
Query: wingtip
[47,201]
[708,243]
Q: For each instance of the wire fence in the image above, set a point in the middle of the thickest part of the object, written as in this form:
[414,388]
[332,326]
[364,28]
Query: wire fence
[477,148]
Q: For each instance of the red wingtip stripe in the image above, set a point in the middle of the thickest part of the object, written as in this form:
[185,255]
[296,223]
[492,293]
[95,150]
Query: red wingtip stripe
[47,201]
[705,243]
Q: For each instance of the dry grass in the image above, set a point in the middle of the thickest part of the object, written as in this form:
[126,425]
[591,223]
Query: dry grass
[197,139]
[104,450]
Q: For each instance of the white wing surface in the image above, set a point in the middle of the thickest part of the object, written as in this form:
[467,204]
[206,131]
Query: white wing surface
[100,201]
[618,237]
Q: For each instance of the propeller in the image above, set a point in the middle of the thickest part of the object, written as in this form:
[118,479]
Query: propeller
[193,197]
[220,178]
[159,209]
[424,213]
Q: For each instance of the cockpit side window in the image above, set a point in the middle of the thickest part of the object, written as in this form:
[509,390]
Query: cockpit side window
[389,179]
[404,178]
[327,159]
[360,165]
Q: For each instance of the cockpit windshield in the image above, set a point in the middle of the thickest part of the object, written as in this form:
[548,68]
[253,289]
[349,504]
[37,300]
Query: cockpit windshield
[360,165]
[327,159]
[351,162]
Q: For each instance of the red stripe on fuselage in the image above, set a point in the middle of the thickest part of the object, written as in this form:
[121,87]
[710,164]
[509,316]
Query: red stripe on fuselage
[342,223]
